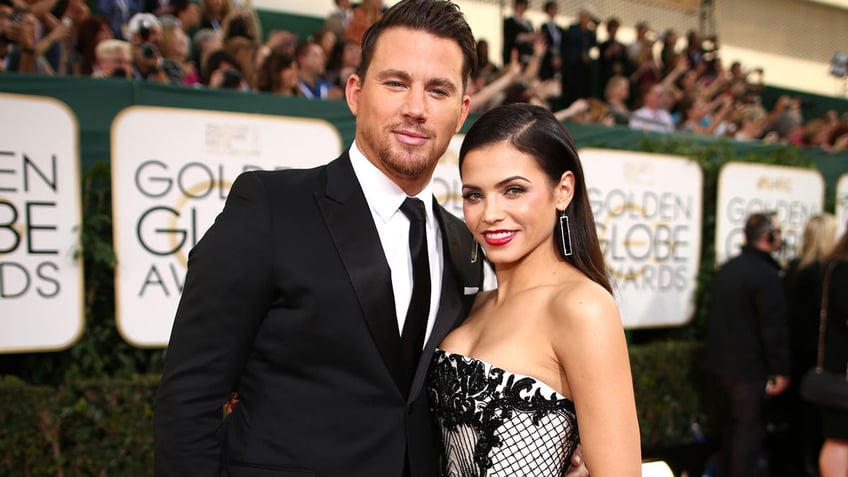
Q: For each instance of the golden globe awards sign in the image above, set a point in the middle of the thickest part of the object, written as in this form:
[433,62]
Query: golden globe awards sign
[794,194]
[842,204]
[171,172]
[647,211]
[41,286]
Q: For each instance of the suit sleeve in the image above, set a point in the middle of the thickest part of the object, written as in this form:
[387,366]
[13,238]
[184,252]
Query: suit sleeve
[773,315]
[227,292]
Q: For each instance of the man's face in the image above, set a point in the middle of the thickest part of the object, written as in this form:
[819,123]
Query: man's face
[409,104]
[5,21]
[314,60]
[115,60]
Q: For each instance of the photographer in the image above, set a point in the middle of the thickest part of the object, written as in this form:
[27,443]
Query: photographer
[145,32]
[20,48]
[113,59]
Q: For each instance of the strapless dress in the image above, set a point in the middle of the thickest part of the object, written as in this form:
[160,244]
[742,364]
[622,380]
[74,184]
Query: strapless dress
[499,424]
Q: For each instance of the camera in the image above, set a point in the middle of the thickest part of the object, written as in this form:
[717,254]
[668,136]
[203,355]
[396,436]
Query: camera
[232,79]
[144,30]
[17,15]
[148,51]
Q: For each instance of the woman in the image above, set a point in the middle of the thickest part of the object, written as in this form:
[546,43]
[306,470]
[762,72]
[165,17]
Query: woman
[278,75]
[833,460]
[803,295]
[546,349]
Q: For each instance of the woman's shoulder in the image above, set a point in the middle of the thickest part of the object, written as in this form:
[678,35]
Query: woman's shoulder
[581,301]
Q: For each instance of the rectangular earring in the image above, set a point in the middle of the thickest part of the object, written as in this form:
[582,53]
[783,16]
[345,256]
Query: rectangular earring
[566,235]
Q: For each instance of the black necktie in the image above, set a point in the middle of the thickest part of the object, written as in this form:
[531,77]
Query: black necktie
[415,326]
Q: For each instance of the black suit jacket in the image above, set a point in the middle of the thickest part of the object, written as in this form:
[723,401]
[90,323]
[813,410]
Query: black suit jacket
[747,327]
[288,300]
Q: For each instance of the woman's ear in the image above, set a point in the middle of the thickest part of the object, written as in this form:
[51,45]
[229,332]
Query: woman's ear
[564,190]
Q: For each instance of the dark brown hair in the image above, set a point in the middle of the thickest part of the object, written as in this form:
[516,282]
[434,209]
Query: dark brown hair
[535,131]
[441,18]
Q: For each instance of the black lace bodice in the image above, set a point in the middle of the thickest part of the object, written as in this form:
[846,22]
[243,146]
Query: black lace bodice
[496,423]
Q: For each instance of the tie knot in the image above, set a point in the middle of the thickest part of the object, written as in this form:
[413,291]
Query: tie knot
[413,209]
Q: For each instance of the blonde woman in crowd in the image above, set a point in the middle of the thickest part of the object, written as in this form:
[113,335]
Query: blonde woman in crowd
[803,281]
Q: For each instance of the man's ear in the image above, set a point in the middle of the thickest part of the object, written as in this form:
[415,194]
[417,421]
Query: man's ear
[353,87]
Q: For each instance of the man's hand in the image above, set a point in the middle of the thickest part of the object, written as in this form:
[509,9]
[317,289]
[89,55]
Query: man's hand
[776,385]
[578,466]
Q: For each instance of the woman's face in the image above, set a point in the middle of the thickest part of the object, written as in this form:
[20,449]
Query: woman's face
[509,203]
[288,77]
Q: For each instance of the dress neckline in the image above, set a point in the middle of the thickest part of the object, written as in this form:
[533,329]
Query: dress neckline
[542,384]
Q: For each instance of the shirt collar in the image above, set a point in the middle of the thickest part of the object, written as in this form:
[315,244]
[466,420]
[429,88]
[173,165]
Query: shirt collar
[382,194]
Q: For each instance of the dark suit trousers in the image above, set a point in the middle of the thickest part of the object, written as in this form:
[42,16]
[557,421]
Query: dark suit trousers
[742,407]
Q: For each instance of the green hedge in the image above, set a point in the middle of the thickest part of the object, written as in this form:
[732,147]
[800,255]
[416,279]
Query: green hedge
[104,427]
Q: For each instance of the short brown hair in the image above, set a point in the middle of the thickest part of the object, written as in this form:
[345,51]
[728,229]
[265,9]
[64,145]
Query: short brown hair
[441,18]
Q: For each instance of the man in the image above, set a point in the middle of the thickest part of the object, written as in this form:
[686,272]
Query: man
[747,348]
[312,63]
[113,59]
[551,66]
[579,39]
[518,35]
[653,115]
[297,296]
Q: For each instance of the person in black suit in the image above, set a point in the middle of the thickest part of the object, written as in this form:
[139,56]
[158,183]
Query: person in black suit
[311,294]
[747,345]
[551,66]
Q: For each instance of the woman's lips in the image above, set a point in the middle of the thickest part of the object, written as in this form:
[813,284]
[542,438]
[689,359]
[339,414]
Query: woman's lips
[498,237]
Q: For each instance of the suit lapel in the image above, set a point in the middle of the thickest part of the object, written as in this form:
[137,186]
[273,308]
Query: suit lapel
[460,276]
[350,223]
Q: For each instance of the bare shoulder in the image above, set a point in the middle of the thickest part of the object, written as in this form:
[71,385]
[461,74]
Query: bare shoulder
[581,303]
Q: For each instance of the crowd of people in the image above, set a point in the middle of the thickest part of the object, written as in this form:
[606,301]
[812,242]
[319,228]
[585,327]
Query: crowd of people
[654,83]
[767,327]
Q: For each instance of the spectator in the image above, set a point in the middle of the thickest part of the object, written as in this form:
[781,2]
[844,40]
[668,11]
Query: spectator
[113,59]
[213,13]
[364,15]
[175,55]
[669,55]
[641,42]
[833,460]
[616,93]
[312,62]
[653,115]
[338,20]
[613,53]
[90,32]
[244,52]
[278,75]
[577,66]
[204,42]
[21,50]
[188,13]
[485,68]
[518,34]
[145,32]
[749,121]
[747,345]
[326,39]
[803,282]
[553,34]
[222,72]
[703,119]
[347,56]
[118,13]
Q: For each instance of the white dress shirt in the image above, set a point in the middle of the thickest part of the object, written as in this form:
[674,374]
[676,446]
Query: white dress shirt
[384,198]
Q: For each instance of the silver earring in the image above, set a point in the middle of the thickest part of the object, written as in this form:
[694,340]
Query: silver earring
[475,252]
[566,235]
